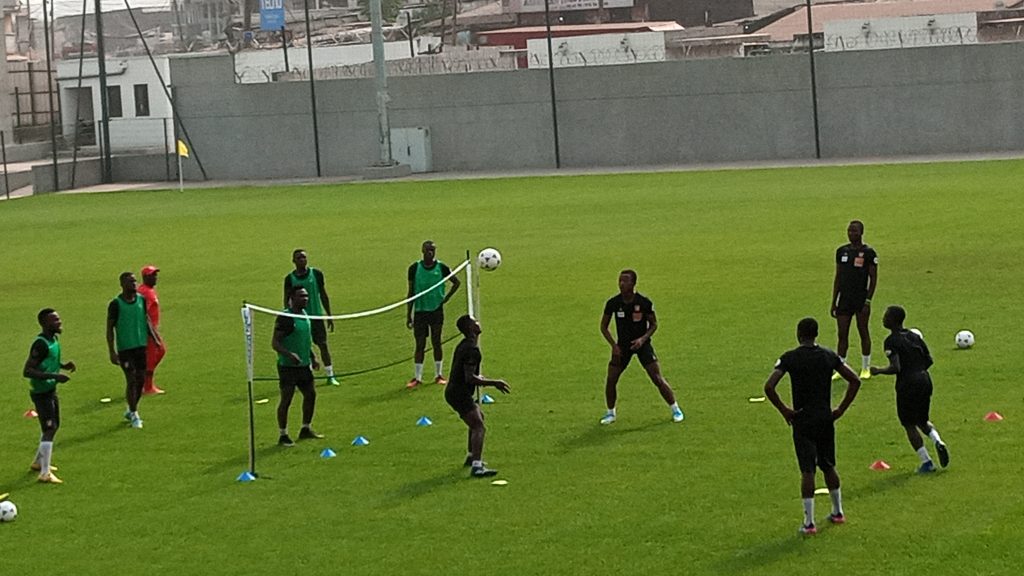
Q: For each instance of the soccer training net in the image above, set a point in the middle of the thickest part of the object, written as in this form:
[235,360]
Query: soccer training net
[363,345]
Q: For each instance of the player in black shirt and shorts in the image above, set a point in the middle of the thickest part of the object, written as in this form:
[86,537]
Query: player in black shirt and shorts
[854,284]
[909,360]
[462,383]
[810,370]
[635,323]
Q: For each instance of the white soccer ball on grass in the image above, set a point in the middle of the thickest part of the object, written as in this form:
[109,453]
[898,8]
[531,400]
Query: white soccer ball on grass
[964,339]
[8,511]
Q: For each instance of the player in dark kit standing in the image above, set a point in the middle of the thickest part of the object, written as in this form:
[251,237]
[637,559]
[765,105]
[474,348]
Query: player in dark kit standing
[312,279]
[293,342]
[810,370]
[462,383]
[43,372]
[854,284]
[426,313]
[126,316]
[909,360]
[635,323]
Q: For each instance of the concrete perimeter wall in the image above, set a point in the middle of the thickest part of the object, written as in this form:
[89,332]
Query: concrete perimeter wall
[942,100]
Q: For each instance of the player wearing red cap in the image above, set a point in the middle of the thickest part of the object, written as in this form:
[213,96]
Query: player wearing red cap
[154,351]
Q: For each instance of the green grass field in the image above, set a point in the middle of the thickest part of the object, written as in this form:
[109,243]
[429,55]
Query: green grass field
[732,260]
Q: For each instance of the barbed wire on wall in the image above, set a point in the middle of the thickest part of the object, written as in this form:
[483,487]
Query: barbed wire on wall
[915,38]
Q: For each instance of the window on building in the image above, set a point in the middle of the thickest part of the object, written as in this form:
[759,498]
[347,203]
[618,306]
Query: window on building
[142,100]
[114,102]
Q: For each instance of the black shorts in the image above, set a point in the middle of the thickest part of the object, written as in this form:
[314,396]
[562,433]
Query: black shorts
[48,408]
[422,322]
[300,377]
[460,400]
[645,354]
[815,443]
[132,360]
[914,400]
[850,304]
[318,331]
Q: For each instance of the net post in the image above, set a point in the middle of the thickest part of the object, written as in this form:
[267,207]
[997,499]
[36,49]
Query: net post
[469,288]
[247,324]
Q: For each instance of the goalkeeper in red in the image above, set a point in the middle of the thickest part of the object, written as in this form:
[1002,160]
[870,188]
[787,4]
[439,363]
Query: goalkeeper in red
[154,350]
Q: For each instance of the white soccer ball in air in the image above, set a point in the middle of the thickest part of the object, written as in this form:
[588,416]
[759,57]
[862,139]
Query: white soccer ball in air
[8,511]
[489,259]
[964,339]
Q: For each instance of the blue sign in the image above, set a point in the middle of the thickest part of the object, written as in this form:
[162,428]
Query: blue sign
[271,14]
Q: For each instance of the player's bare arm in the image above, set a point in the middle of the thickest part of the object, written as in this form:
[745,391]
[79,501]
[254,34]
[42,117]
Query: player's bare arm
[853,386]
[892,368]
[772,394]
[605,321]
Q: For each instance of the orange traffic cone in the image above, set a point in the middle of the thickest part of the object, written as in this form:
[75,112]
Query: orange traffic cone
[880,465]
[993,417]
[30,413]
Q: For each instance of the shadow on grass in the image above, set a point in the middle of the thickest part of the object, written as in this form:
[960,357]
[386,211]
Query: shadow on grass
[763,554]
[402,494]
[115,428]
[882,485]
[598,435]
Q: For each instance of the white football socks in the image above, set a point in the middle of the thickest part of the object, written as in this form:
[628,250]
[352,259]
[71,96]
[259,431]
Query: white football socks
[329,370]
[865,362]
[419,371]
[45,453]
[837,502]
[934,435]
[923,453]
[439,368]
[808,511]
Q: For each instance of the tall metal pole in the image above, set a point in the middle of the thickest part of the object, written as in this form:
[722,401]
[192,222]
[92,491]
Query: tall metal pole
[49,95]
[312,88]
[3,149]
[284,46]
[384,126]
[551,82]
[814,82]
[101,61]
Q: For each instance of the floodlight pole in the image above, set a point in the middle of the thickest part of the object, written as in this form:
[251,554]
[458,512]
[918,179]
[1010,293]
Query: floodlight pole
[49,94]
[814,82]
[312,88]
[551,82]
[384,125]
[101,61]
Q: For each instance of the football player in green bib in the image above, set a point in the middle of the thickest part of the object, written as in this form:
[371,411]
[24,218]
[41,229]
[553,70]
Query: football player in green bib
[425,315]
[312,279]
[43,372]
[128,333]
[293,342]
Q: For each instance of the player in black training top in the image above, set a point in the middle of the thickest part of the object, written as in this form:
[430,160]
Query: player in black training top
[462,383]
[810,370]
[635,323]
[909,360]
[854,285]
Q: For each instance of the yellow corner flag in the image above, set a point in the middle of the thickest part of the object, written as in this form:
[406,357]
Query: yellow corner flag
[182,149]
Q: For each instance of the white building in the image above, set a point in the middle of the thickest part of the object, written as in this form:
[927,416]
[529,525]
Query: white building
[140,114]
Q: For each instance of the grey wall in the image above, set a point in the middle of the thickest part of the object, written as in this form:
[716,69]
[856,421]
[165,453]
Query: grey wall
[6,102]
[895,102]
